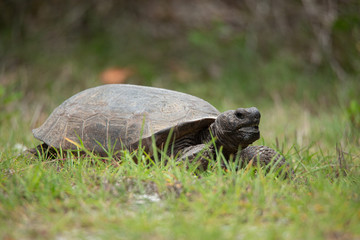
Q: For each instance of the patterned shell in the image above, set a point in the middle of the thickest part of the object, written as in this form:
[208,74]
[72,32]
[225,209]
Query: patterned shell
[121,115]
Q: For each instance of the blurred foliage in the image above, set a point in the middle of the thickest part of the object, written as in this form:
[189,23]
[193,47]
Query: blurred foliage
[8,97]
[300,26]
[353,114]
[228,52]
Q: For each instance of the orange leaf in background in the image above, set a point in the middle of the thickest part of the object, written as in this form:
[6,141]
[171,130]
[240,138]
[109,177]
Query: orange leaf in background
[115,75]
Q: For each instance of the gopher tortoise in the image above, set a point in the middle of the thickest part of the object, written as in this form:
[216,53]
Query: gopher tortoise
[122,116]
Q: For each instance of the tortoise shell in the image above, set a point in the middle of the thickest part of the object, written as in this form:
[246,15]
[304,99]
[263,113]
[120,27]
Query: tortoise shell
[122,115]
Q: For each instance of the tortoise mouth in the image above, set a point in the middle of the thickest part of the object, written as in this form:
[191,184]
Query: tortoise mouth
[249,134]
[249,129]
[252,126]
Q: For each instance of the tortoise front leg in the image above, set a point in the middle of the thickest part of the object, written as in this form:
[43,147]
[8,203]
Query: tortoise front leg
[200,153]
[264,156]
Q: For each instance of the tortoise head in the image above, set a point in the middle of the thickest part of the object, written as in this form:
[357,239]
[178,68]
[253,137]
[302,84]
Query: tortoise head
[237,128]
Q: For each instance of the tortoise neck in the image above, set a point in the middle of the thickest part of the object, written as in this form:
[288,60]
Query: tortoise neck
[228,147]
[205,135]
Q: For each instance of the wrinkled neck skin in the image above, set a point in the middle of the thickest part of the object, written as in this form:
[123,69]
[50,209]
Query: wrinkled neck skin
[228,142]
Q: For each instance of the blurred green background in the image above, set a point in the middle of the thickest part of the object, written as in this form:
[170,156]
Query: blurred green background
[297,61]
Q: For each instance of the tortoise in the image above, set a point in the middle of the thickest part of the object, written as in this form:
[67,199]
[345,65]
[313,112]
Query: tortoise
[124,116]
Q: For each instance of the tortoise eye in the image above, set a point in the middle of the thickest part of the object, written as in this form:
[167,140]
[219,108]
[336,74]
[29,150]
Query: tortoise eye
[239,113]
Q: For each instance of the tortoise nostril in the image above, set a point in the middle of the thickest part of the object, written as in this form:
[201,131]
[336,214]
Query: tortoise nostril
[254,113]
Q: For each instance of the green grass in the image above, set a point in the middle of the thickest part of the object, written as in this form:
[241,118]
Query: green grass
[76,198]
